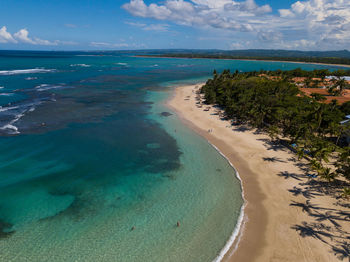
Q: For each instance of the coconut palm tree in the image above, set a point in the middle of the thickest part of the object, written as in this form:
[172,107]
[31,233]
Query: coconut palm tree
[328,174]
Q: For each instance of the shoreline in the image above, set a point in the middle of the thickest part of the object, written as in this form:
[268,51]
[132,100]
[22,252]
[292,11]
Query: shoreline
[247,59]
[271,226]
[254,200]
[239,228]
[233,241]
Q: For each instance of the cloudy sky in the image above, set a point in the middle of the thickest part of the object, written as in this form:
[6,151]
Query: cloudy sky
[151,24]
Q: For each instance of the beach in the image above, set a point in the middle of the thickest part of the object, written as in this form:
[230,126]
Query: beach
[111,181]
[288,216]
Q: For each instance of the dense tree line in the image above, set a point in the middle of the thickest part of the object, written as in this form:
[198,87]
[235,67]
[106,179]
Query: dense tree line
[312,128]
[306,59]
[298,72]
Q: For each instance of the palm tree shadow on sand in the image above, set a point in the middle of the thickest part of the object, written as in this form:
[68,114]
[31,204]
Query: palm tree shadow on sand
[325,223]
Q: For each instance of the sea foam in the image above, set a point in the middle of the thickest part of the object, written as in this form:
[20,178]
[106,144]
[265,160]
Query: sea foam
[237,232]
[26,71]
[81,65]
[45,87]
[10,127]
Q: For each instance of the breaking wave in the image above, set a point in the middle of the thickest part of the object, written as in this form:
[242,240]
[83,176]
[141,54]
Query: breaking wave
[26,71]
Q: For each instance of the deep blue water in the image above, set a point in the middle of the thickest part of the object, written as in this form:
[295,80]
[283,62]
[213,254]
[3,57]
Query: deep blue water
[86,154]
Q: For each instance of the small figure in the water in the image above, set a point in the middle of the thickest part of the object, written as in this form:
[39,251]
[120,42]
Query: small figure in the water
[133,228]
[178,224]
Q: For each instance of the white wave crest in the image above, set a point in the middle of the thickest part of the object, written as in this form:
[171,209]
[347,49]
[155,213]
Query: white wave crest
[26,71]
[4,109]
[242,219]
[10,127]
[44,87]
[81,65]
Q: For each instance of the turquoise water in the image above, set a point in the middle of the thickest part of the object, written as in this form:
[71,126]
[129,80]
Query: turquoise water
[86,155]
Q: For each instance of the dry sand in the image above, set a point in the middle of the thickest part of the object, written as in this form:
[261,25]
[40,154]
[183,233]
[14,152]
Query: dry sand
[288,216]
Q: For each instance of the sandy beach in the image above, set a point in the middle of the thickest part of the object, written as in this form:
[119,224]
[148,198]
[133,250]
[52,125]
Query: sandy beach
[287,216]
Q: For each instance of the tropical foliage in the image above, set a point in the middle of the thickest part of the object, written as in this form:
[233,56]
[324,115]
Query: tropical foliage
[275,56]
[277,106]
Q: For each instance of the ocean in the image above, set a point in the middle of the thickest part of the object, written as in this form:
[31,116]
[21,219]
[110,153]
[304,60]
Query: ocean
[94,167]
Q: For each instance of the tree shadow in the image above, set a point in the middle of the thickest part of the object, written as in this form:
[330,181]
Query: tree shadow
[296,191]
[342,251]
[272,145]
[306,207]
[334,189]
[259,131]
[303,166]
[329,217]
[342,204]
[288,175]
[273,159]
[241,129]
[314,230]
[326,227]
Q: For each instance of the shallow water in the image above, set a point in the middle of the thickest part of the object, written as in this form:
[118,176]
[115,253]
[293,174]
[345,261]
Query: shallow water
[88,151]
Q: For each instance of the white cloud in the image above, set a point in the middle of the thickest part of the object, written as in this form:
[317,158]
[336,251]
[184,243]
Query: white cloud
[59,42]
[326,22]
[150,27]
[6,37]
[321,24]
[108,45]
[222,14]
[23,36]
[240,45]
[269,36]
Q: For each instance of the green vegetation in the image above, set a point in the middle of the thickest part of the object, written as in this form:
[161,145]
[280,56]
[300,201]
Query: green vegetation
[276,105]
[336,57]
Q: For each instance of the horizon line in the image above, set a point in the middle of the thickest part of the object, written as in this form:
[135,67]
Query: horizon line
[174,49]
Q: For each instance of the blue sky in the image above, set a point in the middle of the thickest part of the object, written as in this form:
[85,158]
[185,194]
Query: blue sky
[149,24]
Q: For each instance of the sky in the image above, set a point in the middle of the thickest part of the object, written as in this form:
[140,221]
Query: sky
[170,24]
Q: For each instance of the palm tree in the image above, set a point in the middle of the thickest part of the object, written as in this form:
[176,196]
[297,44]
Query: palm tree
[316,166]
[307,82]
[341,83]
[343,162]
[338,86]
[346,192]
[327,174]
[300,153]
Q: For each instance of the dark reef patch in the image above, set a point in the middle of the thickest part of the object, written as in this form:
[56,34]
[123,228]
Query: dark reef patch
[79,209]
[5,230]
[166,114]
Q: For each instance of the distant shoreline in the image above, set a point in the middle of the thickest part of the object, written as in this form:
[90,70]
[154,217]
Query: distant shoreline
[244,59]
